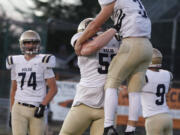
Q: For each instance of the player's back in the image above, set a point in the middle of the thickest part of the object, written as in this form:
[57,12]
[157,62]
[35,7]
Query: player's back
[153,97]
[134,19]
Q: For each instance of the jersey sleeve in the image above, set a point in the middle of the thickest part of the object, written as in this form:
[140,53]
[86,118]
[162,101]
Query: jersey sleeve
[49,61]
[105,2]
[48,73]
[75,37]
[13,74]
[9,62]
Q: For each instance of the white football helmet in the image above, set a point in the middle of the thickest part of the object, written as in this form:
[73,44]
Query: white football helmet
[30,36]
[156,59]
[83,24]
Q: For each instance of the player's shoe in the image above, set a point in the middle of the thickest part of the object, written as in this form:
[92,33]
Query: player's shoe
[110,131]
[129,133]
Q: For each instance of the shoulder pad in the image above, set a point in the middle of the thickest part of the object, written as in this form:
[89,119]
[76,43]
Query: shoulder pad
[168,73]
[9,62]
[49,60]
[46,58]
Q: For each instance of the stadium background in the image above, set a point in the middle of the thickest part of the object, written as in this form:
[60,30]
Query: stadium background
[56,32]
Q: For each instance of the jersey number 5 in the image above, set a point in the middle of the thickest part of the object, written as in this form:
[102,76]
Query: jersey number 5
[104,63]
[31,80]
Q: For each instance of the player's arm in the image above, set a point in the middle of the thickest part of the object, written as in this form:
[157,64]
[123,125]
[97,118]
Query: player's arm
[12,94]
[49,62]
[94,26]
[51,82]
[97,43]
[171,79]
[10,66]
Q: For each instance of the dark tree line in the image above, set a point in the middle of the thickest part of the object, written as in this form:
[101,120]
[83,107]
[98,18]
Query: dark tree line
[72,12]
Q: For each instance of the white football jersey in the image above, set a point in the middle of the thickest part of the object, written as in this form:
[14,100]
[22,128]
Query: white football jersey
[93,68]
[153,96]
[30,76]
[133,17]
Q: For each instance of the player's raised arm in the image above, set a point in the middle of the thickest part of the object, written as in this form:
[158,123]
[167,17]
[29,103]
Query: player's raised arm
[94,26]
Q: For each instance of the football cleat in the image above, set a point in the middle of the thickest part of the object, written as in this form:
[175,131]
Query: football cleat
[129,133]
[110,131]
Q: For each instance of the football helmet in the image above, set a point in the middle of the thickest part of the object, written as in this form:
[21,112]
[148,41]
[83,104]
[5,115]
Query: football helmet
[30,36]
[156,59]
[83,24]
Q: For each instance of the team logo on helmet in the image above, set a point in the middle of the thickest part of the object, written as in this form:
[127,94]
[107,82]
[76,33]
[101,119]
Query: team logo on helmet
[156,59]
[30,36]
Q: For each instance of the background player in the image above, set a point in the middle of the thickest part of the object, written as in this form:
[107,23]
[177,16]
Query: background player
[134,55]
[87,108]
[29,74]
[158,121]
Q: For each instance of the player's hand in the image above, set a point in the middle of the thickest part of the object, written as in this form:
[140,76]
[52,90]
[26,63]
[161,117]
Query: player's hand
[77,49]
[39,112]
[110,131]
[10,125]
[117,22]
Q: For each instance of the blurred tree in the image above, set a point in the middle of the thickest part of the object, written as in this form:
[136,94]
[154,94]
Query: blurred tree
[59,9]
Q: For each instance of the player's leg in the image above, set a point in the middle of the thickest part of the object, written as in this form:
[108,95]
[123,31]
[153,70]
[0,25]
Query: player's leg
[156,125]
[169,124]
[19,120]
[97,126]
[118,65]
[36,125]
[132,53]
[134,111]
[135,83]
[77,121]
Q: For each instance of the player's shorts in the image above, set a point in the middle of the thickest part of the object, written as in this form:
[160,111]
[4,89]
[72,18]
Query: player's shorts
[79,118]
[131,63]
[160,124]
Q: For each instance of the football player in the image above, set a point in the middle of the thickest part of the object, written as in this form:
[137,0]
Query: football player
[158,121]
[134,55]
[29,74]
[87,108]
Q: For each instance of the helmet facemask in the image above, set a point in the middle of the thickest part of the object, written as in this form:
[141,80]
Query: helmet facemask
[30,37]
